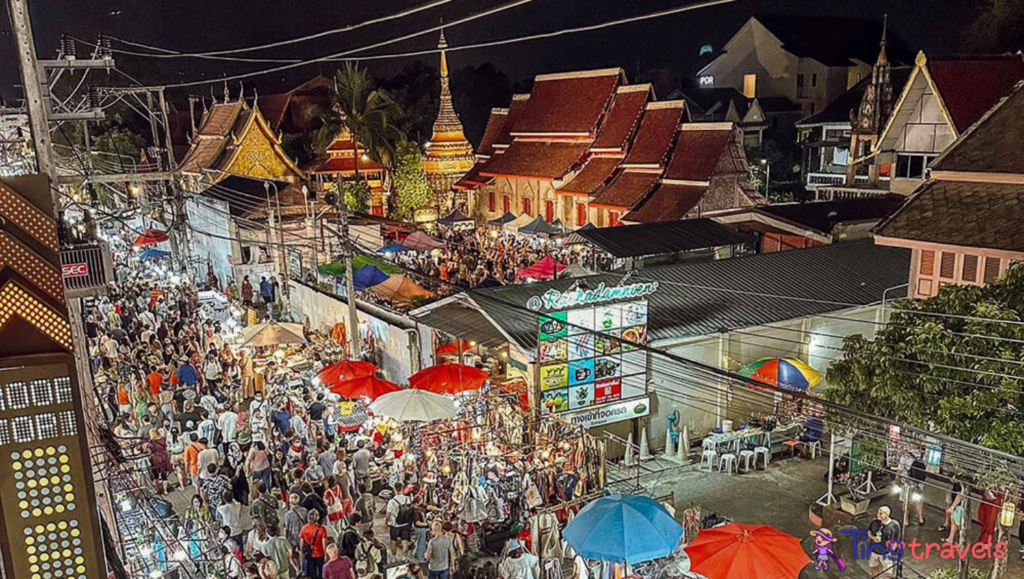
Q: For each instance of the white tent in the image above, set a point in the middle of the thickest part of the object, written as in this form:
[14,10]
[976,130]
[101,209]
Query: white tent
[520,221]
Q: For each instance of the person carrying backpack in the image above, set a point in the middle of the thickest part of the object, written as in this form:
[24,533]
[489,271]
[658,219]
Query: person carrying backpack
[313,543]
[265,506]
[399,516]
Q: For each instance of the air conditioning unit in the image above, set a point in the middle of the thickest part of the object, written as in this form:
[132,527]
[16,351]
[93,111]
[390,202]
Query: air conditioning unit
[86,269]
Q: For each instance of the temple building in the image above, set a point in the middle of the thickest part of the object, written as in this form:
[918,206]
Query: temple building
[347,156]
[234,138]
[449,155]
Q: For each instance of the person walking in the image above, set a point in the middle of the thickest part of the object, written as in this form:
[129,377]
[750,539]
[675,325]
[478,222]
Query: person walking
[399,518]
[338,565]
[313,544]
[438,554]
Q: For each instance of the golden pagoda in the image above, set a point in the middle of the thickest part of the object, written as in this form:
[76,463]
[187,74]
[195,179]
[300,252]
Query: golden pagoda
[449,154]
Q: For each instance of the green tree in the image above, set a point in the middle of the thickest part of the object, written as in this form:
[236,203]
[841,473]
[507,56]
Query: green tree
[997,27]
[958,373]
[412,190]
[119,141]
[357,197]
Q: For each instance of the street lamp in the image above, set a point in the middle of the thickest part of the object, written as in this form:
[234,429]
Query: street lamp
[768,175]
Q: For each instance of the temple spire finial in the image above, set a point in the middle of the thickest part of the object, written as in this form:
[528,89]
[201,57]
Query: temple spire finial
[885,29]
[442,45]
[227,93]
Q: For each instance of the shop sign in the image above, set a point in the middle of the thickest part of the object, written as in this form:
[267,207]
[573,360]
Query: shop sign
[610,413]
[74,270]
[556,300]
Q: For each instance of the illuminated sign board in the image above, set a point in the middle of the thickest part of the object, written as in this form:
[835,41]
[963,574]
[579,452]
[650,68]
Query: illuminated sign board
[556,300]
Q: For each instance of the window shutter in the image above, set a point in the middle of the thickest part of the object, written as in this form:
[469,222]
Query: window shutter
[927,262]
[991,269]
[947,265]
[970,271]
[490,201]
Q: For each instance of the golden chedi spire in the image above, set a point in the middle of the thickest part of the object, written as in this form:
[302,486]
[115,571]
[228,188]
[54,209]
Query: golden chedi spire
[449,155]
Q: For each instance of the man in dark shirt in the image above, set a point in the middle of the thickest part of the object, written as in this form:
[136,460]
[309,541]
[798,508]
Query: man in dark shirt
[885,531]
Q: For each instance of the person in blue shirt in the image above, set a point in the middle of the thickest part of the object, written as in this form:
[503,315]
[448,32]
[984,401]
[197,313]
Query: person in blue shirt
[266,290]
[187,373]
[282,419]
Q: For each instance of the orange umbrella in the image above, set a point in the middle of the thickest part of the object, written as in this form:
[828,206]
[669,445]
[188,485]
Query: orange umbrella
[150,236]
[366,387]
[456,348]
[448,379]
[345,370]
[742,551]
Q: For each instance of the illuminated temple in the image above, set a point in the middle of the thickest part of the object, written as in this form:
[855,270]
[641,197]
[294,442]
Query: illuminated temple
[449,155]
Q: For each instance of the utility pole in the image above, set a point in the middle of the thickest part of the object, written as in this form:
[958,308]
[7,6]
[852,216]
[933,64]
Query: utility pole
[346,249]
[32,85]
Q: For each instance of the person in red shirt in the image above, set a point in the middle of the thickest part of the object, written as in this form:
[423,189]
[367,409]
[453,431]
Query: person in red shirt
[155,380]
[313,543]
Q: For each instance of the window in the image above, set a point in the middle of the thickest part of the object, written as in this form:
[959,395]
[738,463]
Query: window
[750,85]
[927,262]
[549,211]
[912,166]
[814,80]
[947,265]
[614,219]
[991,269]
[506,204]
[970,268]
[527,206]
[490,201]
[581,215]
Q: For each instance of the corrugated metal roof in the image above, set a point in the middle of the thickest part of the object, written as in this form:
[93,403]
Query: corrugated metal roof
[661,238]
[697,299]
[463,321]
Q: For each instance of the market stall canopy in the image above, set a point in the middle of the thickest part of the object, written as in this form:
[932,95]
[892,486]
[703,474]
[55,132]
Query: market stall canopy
[370,387]
[150,237]
[518,222]
[368,276]
[448,378]
[574,270]
[153,254]
[393,248]
[742,551]
[344,370]
[272,334]
[489,281]
[508,217]
[546,268]
[557,224]
[454,218]
[660,238]
[420,241]
[455,348]
[624,528]
[786,372]
[399,290]
[413,405]
[539,227]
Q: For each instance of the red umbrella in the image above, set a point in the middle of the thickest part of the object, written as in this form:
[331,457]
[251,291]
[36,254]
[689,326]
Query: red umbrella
[366,387]
[456,348]
[448,379]
[346,370]
[742,551]
[150,236]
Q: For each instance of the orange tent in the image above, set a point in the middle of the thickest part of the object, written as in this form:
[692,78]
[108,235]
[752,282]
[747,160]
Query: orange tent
[399,290]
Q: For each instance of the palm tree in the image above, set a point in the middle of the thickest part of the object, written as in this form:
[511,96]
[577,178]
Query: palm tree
[369,113]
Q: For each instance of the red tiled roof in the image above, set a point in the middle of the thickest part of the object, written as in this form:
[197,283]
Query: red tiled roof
[622,117]
[667,203]
[343,145]
[515,112]
[568,103]
[535,159]
[697,154]
[626,191]
[658,128]
[993,144]
[347,165]
[472,178]
[971,86]
[220,119]
[495,125]
[593,175]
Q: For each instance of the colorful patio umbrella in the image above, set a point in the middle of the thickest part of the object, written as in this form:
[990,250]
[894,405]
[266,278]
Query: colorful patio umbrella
[345,370]
[367,276]
[786,372]
[624,528]
[448,379]
[456,348]
[370,387]
[743,551]
[150,236]
[413,406]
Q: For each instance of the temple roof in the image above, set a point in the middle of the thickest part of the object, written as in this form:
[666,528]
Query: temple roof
[971,85]
[472,178]
[702,150]
[495,125]
[535,159]
[993,145]
[286,111]
[667,203]
[626,190]
[568,104]
[593,175]
[657,131]
[515,112]
[623,117]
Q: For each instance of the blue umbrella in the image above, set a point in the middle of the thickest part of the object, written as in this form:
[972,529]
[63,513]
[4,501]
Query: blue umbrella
[153,254]
[623,528]
[393,248]
[367,276]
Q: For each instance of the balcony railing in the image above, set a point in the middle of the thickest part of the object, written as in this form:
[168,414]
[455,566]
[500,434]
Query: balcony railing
[816,179]
[843,193]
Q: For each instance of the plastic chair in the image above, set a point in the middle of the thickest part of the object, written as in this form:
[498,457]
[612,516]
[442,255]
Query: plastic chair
[813,447]
[708,455]
[728,461]
[767,455]
[745,456]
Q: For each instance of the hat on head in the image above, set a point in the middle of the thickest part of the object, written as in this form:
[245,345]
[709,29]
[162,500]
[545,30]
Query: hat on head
[514,544]
[824,534]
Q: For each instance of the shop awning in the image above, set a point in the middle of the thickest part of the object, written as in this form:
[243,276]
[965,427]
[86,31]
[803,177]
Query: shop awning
[539,227]
[399,290]
[461,320]
[508,217]
[454,218]
[546,268]
[368,276]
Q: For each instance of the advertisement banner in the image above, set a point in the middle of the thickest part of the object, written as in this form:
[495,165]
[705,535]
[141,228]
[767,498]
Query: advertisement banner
[607,391]
[581,372]
[581,396]
[552,326]
[554,376]
[555,400]
[610,413]
[552,350]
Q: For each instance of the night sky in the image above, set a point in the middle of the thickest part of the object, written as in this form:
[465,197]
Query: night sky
[672,42]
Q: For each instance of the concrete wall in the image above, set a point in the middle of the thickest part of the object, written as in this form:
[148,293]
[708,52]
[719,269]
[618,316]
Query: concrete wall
[397,360]
[210,234]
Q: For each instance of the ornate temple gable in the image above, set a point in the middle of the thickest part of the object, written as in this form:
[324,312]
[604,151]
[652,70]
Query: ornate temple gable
[258,153]
[449,155]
